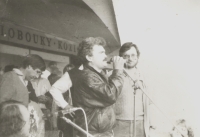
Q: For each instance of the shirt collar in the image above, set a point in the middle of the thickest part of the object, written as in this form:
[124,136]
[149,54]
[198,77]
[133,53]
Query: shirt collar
[18,72]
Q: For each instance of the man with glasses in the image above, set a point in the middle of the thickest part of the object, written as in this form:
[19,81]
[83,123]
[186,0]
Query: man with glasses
[13,84]
[126,103]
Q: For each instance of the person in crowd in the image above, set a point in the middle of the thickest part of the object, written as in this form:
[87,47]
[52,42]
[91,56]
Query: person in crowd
[67,95]
[13,84]
[14,119]
[92,90]
[50,68]
[62,125]
[55,75]
[68,67]
[125,107]
[182,129]
[41,88]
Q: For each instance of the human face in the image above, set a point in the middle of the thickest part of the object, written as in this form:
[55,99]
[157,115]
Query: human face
[32,73]
[26,117]
[131,58]
[98,60]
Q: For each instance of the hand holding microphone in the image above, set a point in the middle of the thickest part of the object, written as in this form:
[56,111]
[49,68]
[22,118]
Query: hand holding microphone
[118,62]
[67,110]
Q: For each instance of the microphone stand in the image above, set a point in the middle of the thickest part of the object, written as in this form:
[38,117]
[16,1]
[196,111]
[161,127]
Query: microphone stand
[152,102]
[134,115]
[76,126]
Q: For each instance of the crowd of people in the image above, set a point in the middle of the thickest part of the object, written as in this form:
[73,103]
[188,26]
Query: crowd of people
[114,101]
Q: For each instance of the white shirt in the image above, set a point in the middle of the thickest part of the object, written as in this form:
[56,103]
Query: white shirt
[46,74]
[60,87]
[41,88]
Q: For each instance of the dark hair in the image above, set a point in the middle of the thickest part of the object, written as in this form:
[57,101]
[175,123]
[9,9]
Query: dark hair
[126,46]
[68,68]
[86,47]
[35,61]
[52,63]
[9,68]
[11,119]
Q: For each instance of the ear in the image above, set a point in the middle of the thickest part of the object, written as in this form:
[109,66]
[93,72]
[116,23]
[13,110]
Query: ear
[89,58]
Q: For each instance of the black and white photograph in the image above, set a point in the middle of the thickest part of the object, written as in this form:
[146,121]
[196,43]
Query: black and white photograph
[99,68]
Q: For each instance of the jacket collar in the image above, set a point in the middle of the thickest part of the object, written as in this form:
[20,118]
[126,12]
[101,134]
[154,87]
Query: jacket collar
[102,75]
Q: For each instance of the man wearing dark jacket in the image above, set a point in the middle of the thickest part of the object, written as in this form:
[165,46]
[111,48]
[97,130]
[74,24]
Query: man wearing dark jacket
[92,90]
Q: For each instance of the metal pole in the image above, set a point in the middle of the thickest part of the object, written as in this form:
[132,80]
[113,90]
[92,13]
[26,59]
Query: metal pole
[76,126]
[144,92]
[134,115]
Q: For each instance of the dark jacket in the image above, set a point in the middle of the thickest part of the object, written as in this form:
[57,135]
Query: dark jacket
[12,88]
[96,94]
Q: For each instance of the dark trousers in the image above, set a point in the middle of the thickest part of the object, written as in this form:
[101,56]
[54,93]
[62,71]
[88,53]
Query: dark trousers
[66,128]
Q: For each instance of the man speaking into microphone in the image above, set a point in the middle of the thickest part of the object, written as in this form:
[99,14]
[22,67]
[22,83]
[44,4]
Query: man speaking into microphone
[125,104]
[91,89]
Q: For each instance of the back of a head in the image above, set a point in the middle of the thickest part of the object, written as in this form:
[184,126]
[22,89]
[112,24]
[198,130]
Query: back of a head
[52,64]
[68,68]
[86,47]
[11,119]
[35,61]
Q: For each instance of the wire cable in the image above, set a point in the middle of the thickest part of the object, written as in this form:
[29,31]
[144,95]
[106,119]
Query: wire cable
[143,90]
[86,124]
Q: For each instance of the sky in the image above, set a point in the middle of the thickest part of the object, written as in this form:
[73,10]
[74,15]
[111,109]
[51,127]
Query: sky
[167,33]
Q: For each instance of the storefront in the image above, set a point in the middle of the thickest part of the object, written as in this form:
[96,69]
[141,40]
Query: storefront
[53,28]
[18,41]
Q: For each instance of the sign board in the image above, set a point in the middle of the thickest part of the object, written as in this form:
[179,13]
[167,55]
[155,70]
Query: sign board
[13,33]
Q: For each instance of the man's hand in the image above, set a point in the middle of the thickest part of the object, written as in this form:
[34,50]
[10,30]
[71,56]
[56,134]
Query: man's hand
[42,99]
[68,107]
[118,62]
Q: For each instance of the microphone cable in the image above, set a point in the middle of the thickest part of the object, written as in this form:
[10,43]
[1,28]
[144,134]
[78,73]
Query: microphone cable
[153,102]
[86,124]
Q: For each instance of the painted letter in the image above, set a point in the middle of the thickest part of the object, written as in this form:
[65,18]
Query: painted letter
[28,37]
[59,45]
[11,33]
[35,37]
[49,40]
[20,36]
[42,40]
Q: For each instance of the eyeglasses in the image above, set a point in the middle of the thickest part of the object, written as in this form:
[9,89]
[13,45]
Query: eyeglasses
[129,56]
[39,72]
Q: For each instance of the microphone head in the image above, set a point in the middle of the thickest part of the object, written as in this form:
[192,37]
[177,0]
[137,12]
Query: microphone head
[110,61]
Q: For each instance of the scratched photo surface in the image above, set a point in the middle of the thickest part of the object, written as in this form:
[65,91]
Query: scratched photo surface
[166,33]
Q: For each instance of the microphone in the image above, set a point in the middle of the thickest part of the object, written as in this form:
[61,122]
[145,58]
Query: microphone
[110,61]
[61,113]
